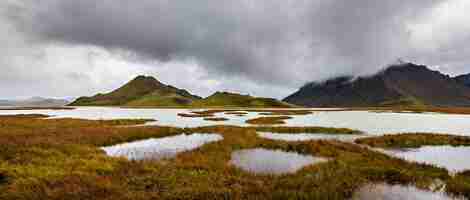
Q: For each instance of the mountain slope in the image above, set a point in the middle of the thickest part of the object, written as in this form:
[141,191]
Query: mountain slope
[226,99]
[141,91]
[404,84]
[463,79]
[149,92]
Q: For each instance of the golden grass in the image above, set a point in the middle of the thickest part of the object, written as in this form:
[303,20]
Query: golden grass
[268,120]
[414,140]
[216,119]
[61,159]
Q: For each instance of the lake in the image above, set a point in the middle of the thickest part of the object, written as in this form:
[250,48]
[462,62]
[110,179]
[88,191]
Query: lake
[372,123]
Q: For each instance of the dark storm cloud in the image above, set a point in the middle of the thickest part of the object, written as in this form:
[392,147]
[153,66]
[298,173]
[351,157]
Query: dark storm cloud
[279,41]
[265,47]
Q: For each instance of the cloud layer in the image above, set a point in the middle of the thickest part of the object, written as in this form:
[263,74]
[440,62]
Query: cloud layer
[259,47]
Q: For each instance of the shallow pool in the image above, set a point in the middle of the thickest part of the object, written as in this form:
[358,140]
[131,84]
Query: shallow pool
[159,148]
[265,161]
[454,159]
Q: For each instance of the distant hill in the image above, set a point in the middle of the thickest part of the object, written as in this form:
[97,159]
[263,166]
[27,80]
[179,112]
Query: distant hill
[145,91]
[404,84]
[35,102]
[226,99]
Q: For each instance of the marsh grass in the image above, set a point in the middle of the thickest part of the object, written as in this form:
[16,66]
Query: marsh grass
[268,120]
[61,159]
[306,129]
[195,115]
[216,119]
[414,140]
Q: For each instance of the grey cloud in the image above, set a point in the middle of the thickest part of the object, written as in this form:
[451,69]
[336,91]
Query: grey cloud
[279,43]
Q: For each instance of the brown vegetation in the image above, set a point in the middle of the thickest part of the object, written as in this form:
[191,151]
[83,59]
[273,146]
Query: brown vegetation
[61,159]
[268,120]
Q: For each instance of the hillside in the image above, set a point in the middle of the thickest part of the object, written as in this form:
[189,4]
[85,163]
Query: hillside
[404,84]
[145,91]
[141,91]
[463,79]
[226,99]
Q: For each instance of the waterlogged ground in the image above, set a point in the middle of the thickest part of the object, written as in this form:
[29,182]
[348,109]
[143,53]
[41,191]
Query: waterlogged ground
[370,122]
[266,161]
[383,191]
[59,158]
[295,137]
[160,148]
[454,159]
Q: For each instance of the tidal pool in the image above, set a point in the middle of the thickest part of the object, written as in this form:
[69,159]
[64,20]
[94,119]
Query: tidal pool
[454,159]
[293,137]
[265,161]
[398,192]
[159,148]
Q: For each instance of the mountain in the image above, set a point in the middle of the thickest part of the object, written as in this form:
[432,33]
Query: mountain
[226,99]
[141,91]
[463,79]
[35,102]
[145,91]
[405,84]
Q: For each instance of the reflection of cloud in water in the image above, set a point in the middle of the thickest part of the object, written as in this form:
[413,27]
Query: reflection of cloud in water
[368,122]
[290,137]
[454,159]
[159,148]
[264,161]
[397,192]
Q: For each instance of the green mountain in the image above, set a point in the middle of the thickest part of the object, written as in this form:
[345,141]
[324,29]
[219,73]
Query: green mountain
[226,99]
[145,91]
[141,91]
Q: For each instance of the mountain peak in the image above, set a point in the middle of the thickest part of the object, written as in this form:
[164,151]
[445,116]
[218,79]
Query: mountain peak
[398,84]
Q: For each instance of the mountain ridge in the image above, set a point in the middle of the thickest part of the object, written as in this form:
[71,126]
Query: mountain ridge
[400,84]
[147,91]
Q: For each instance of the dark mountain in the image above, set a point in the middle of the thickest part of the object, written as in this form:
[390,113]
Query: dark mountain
[146,91]
[402,84]
[463,79]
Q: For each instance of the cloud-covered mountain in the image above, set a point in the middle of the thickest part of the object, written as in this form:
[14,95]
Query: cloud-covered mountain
[401,84]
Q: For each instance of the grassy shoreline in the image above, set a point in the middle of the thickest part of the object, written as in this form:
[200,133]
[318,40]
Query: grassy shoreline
[414,140]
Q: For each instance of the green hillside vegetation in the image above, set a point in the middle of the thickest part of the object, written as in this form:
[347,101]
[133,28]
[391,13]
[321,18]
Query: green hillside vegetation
[145,91]
[226,99]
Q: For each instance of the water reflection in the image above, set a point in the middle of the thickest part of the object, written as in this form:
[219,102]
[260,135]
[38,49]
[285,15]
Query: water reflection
[454,159]
[264,161]
[398,192]
[160,148]
[293,137]
[368,122]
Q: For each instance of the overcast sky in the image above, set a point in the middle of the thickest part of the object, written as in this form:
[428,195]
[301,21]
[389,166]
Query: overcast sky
[68,48]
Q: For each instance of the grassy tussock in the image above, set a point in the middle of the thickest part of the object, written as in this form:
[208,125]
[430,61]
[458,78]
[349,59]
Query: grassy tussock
[307,129]
[194,115]
[268,120]
[414,140]
[41,159]
[216,119]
